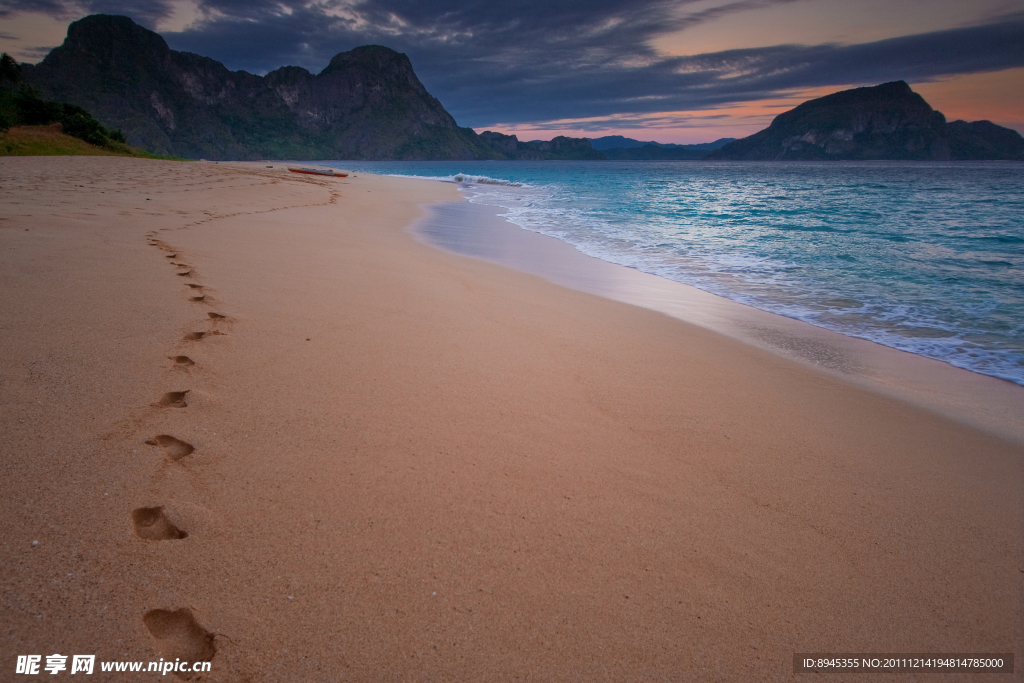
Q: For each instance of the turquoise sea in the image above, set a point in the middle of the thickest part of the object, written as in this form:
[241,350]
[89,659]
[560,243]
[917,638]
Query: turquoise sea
[923,257]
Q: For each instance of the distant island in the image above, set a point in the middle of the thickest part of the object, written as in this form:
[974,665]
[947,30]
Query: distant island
[888,121]
[621,148]
[368,104]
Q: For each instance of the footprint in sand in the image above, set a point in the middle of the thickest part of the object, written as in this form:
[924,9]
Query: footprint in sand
[196,336]
[187,273]
[197,299]
[179,636]
[182,361]
[171,256]
[193,286]
[173,399]
[176,449]
[152,524]
[216,316]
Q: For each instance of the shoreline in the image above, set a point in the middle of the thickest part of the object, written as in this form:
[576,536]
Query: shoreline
[412,464]
[902,317]
[989,403]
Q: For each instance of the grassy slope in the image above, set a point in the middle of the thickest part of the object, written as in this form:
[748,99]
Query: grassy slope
[20,141]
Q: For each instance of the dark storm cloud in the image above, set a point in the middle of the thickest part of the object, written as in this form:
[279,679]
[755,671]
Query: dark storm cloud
[518,62]
[534,60]
[36,54]
[486,33]
[144,12]
[526,91]
[55,8]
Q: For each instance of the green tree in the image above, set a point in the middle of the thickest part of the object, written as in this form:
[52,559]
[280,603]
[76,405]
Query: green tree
[9,69]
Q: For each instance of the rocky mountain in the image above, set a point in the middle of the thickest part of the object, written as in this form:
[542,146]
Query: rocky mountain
[984,140]
[561,147]
[888,121]
[619,148]
[367,104]
[621,142]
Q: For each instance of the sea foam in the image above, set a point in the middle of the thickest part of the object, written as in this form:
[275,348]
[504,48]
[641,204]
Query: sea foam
[923,257]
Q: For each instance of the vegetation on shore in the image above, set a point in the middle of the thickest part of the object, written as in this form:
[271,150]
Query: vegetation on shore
[36,141]
[33,126]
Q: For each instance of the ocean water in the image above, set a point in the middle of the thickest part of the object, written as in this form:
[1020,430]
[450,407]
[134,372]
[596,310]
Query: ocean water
[922,257]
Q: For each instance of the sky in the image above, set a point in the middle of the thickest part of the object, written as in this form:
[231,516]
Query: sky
[681,71]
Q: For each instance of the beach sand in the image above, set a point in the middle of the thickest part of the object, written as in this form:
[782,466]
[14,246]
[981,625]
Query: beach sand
[393,463]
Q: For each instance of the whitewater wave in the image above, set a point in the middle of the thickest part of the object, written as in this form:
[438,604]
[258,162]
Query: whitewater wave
[466,179]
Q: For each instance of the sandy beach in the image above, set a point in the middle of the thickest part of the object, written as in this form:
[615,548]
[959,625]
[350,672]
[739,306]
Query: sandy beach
[246,414]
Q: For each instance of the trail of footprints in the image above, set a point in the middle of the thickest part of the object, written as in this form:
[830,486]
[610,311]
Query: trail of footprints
[176,632]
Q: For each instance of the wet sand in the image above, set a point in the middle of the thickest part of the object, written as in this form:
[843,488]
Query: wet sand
[988,403]
[386,462]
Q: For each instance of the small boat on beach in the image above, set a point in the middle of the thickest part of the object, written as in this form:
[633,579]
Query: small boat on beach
[319,171]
